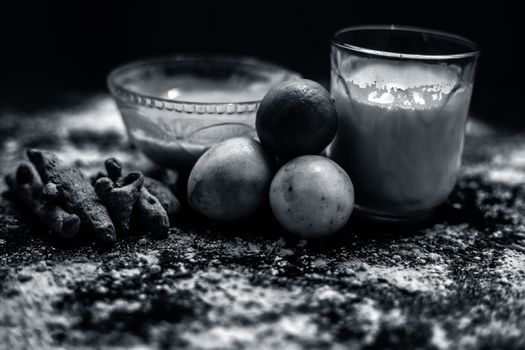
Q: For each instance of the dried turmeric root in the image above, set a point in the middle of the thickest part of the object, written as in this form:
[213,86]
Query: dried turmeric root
[25,185]
[149,213]
[120,200]
[75,194]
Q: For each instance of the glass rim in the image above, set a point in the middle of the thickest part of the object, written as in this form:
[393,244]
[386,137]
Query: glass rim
[473,52]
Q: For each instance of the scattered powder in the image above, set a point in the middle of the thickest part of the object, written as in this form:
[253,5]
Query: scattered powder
[100,115]
[478,128]
[507,175]
[508,333]
[35,296]
[368,316]
[439,338]
[515,158]
[511,267]
[431,278]
[275,335]
[458,283]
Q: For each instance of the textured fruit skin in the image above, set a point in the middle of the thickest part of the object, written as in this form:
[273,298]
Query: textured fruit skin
[295,118]
[231,180]
[312,196]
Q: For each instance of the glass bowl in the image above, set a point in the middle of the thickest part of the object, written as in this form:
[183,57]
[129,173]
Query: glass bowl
[175,108]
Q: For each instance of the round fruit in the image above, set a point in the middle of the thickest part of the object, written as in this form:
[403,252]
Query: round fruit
[312,196]
[231,180]
[295,118]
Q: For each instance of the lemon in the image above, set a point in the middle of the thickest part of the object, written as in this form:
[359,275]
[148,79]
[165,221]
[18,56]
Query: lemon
[231,180]
[295,118]
[312,196]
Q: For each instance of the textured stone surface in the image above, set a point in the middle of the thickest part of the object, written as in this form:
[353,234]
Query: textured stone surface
[458,282]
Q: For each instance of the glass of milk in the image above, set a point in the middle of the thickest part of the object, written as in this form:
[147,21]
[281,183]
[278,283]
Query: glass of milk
[402,97]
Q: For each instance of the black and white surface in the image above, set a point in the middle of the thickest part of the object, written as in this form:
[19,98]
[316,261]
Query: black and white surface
[458,282]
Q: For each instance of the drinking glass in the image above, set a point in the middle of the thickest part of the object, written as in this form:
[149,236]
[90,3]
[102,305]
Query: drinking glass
[402,96]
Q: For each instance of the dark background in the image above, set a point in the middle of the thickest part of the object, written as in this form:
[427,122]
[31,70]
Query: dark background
[51,50]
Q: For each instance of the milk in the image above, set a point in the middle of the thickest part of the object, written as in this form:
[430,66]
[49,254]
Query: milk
[400,133]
